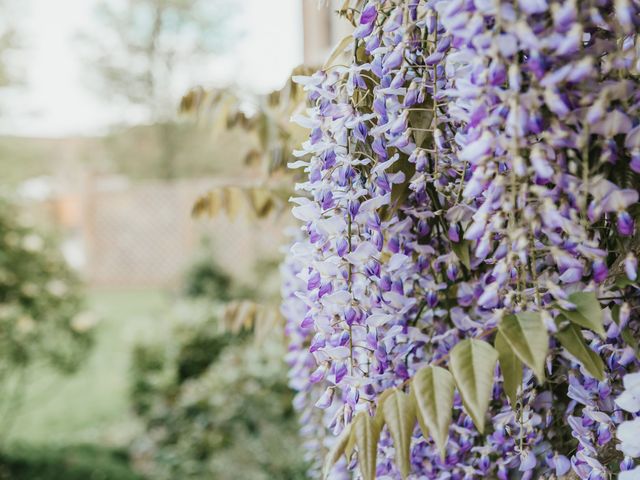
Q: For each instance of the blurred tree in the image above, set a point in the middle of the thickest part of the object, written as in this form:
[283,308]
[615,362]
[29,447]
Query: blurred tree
[147,50]
[8,43]
[196,153]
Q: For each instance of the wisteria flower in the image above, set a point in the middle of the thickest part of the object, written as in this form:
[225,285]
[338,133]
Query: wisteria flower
[629,400]
[629,436]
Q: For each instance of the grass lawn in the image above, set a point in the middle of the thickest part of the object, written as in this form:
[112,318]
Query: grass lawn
[91,406]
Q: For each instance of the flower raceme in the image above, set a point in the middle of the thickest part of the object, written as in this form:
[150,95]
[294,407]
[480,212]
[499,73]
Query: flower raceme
[461,296]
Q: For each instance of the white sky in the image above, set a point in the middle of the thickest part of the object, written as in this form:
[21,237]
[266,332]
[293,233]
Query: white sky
[55,100]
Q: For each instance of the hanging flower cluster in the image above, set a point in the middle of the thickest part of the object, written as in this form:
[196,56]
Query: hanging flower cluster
[302,365]
[468,249]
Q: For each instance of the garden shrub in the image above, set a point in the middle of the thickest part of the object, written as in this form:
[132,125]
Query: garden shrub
[42,316]
[82,462]
[205,279]
[213,405]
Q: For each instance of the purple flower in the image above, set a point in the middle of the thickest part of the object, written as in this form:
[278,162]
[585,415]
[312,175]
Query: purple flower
[369,13]
[528,461]
[625,224]
[326,399]
[440,222]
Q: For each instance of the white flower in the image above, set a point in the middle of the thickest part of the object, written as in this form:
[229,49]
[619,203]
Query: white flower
[306,210]
[629,400]
[629,435]
[630,474]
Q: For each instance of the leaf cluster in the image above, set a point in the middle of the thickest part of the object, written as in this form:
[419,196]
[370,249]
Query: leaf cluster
[42,316]
[520,340]
[213,405]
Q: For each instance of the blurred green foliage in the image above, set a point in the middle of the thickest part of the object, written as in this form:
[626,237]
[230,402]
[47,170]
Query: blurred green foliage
[131,151]
[141,152]
[214,405]
[92,406]
[84,462]
[42,317]
[9,42]
[204,279]
[43,322]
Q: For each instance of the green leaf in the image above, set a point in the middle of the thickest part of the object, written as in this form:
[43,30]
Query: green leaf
[379,416]
[622,281]
[571,338]
[472,363]
[420,119]
[461,249]
[338,51]
[351,444]
[627,336]
[262,201]
[511,368]
[337,450]
[527,336]
[433,390]
[400,417]
[423,426]
[367,433]
[399,191]
[588,313]
[615,313]
[233,201]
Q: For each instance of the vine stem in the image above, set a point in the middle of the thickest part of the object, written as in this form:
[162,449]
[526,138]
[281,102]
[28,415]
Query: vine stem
[435,104]
[349,232]
[349,274]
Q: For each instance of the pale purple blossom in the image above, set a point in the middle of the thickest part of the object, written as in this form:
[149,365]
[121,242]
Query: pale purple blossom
[522,194]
